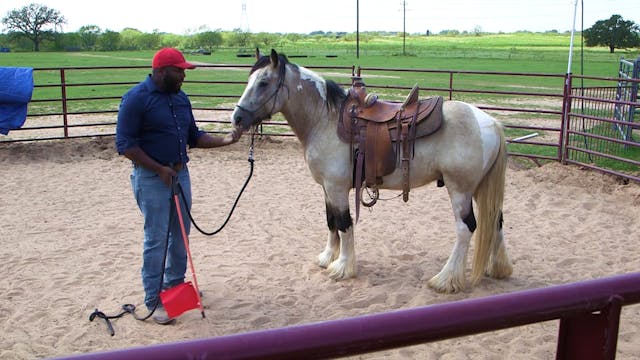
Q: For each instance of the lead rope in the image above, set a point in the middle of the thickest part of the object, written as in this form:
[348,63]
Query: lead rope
[235,203]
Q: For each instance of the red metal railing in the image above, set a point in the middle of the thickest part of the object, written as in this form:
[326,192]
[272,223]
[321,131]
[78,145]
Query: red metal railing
[554,110]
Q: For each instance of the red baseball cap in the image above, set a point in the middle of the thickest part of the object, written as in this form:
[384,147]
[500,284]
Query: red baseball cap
[170,57]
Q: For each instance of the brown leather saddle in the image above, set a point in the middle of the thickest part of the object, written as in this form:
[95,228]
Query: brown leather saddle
[383,134]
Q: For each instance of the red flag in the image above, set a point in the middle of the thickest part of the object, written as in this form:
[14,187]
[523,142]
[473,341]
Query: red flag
[179,299]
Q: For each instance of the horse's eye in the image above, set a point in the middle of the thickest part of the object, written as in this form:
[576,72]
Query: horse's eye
[263,84]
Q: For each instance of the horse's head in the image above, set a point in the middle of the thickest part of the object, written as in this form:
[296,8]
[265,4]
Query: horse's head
[264,95]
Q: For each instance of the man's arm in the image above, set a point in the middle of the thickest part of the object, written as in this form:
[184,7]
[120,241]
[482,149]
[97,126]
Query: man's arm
[211,141]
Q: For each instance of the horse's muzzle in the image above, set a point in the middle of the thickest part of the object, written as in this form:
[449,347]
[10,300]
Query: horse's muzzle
[245,119]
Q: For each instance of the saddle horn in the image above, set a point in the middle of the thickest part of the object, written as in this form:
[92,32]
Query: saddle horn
[412,98]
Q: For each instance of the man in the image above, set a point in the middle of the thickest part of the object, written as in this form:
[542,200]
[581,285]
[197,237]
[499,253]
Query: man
[155,126]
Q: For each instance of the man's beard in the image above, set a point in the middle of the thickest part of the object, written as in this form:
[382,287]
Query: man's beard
[171,85]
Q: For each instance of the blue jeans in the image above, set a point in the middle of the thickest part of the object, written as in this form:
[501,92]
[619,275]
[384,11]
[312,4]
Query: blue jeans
[155,201]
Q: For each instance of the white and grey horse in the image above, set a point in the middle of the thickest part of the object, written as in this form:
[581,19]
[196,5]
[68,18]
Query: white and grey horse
[467,153]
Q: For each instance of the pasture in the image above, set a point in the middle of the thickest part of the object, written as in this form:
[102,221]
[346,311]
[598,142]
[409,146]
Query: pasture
[512,52]
[505,53]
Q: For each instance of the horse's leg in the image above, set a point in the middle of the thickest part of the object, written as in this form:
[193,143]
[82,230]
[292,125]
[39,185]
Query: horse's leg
[340,243]
[451,278]
[499,266]
[332,249]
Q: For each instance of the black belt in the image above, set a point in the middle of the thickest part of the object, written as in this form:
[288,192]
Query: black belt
[175,167]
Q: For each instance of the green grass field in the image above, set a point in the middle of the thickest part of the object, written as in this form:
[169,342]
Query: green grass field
[507,53]
[513,52]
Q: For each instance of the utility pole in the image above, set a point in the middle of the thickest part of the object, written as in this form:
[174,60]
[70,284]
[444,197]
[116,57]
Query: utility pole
[404,22]
[357,29]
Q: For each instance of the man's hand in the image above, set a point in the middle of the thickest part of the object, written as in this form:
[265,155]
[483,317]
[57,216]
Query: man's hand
[139,157]
[235,134]
[211,141]
[232,137]
[166,174]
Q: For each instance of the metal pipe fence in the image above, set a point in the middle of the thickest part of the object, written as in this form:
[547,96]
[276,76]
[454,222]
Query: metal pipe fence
[545,116]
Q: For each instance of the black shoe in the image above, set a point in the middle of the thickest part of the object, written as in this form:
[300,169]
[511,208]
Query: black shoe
[161,317]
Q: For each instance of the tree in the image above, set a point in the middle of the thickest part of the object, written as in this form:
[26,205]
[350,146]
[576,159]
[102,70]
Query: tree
[66,42]
[89,35]
[109,41]
[129,39]
[35,22]
[148,41]
[267,40]
[209,39]
[615,33]
[239,38]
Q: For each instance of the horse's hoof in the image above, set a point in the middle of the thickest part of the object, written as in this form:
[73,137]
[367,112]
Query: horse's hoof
[445,286]
[336,276]
[324,259]
[336,273]
[500,270]
[338,270]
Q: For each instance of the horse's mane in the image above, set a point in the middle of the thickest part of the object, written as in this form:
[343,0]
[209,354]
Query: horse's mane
[265,60]
[335,94]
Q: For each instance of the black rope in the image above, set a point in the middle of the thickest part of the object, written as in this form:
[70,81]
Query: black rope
[126,309]
[235,203]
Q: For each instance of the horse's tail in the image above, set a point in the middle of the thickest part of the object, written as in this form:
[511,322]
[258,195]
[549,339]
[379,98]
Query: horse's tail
[489,197]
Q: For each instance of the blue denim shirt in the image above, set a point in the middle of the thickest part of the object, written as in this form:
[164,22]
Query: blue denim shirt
[160,123]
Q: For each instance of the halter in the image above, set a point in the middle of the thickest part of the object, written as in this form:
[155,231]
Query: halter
[274,96]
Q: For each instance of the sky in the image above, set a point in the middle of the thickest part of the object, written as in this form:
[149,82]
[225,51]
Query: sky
[305,16]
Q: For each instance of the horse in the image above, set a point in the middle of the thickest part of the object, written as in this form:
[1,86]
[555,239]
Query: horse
[467,154]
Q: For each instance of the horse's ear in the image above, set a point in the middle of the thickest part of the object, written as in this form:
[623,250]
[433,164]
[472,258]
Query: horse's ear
[274,58]
[257,54]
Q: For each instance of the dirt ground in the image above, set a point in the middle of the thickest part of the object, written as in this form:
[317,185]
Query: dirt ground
[72,237]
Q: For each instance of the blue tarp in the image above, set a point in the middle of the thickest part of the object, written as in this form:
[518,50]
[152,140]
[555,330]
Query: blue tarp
[16,88]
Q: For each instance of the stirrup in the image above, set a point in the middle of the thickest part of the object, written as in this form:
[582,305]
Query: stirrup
[374,198]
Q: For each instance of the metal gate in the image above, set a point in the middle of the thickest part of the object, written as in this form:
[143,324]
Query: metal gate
[602,122]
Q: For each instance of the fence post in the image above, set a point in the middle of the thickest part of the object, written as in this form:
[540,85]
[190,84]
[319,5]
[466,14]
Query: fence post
[590,336]
[564,122]
[63,89]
